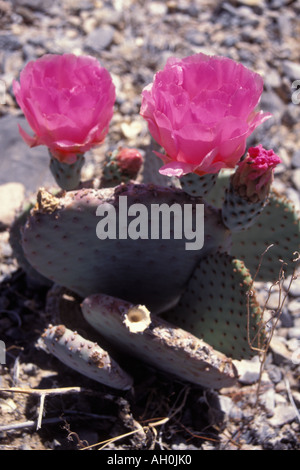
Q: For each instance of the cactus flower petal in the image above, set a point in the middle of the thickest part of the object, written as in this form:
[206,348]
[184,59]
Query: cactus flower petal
[201,110]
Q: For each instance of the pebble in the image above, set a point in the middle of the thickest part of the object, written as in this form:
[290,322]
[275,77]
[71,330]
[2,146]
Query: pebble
[7,406]
[231,410]
[295,161]
[267,400]
[11,198]
[283,414]
[248,370]
[294,289]
[291,69]
[294,332]
[157,8]
[99,39]
[296,178]
[132,129]
[280,351]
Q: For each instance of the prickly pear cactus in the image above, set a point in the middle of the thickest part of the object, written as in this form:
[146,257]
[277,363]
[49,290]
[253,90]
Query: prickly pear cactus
[181,300]
[204,295]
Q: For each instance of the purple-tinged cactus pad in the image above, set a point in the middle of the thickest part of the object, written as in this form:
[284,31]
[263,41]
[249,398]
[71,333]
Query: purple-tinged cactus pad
[84,356]
[60,242]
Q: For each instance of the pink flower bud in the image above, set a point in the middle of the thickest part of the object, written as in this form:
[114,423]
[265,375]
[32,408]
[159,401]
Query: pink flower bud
[68,102]
[201,110]
[254,175]
[129,161]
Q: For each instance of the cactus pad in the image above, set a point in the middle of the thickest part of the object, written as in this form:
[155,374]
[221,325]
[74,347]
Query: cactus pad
[197,185]
[278,225]
[238,213]
[157,342]
[60,242]
[214,306]
[84,357]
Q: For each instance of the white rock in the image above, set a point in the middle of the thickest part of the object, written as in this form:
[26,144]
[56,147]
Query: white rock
[248,370]
[11,198]
[131,130]
[283,414]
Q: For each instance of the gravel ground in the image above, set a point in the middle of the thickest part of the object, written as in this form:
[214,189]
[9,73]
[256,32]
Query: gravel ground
[133,39]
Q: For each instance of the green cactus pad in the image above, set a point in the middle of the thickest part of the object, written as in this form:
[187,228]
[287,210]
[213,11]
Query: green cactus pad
[157,342]
[239,214]
[196,185]
[216,195]
[15,238]
[60,242]
[214,306]
[84,356]
[277,225]
[67,175]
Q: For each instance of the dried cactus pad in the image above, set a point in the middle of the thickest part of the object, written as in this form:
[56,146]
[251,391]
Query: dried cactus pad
[157,342]
[84,356]
[217,305]
[60,242]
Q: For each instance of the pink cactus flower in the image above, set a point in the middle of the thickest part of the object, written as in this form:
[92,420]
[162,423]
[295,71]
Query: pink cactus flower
[254,175]
[68,102]
[201,109]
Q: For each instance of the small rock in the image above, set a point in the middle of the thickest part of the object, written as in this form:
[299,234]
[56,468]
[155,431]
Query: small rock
[226,404]
[11,198]
[264,432]
[283,414]
[291,69]
[251,3]
[296,159]
[280,350]
[230,408]
[294,333]
[272,79]
[30,369]
[248,371]
[296,178]
[36,5]
[274,373]
[267,399]
[271,102]
[294,289]
[7,406]
[157,8]
[131,130]
[99,39]
[9,42]
[291,115]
